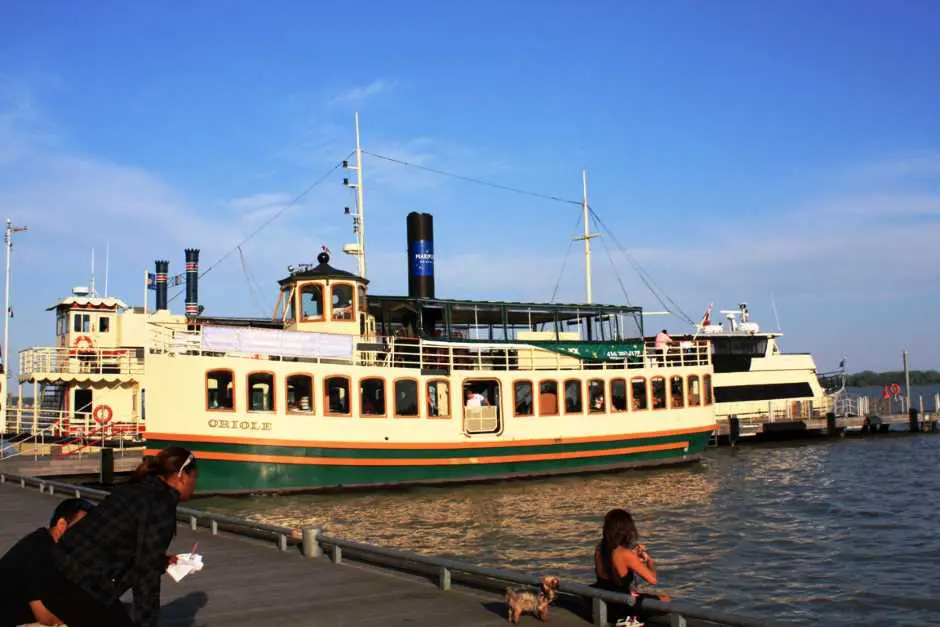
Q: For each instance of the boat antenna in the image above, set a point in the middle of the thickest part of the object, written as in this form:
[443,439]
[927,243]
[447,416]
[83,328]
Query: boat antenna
[359,219]
[107,266]
[773,304]
[91,284]
[587,237]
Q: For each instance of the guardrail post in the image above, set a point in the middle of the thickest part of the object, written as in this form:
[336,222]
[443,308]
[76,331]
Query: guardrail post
[3,479]
[337,554]
[22,482]
[444,580]
[599,612]
[282,542]
[51,489]
[193,523]
[214,526]
[310,536]
[42,487]
[78,493]
[677,620]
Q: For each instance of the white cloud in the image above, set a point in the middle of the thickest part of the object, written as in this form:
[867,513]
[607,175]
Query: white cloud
[359,94]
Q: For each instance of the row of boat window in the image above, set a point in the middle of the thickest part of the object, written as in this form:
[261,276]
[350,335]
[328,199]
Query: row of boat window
[554,396]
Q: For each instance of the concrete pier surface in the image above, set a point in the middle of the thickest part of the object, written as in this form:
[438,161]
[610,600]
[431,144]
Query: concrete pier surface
[250,582]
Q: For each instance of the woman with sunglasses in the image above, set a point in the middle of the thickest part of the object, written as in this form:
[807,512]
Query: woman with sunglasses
[122,544]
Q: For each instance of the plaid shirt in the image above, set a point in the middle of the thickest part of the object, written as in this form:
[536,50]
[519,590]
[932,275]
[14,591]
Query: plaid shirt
[122,544]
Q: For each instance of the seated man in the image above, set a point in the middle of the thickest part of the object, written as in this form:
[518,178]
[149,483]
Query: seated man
[27,568]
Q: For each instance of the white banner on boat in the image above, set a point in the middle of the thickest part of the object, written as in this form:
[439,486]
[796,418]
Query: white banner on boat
[274,342]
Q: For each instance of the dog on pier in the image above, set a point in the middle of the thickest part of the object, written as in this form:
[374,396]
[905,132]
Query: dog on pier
[536,602]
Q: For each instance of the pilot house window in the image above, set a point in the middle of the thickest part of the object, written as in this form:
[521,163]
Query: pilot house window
[104,324]
[261,391]
[311,302]
[81,323]
[220,390]
[342,302]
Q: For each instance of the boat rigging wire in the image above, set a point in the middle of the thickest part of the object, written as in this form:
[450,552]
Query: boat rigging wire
[268,222]
[470,179]
[647,280]
[564,263]
[253,289]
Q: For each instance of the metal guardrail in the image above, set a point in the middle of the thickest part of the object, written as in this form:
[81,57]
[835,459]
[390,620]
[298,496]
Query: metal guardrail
[314,544]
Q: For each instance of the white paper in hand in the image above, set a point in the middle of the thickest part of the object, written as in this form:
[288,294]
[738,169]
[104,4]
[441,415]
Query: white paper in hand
[185,563]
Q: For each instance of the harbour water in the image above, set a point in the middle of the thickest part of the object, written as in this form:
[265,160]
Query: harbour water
[835,532]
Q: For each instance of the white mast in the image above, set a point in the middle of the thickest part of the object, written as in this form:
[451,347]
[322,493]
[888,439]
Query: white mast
[8,241]
[359,219]
[587,237]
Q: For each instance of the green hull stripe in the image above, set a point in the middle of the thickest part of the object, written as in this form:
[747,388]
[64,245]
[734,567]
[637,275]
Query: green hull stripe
[217,476]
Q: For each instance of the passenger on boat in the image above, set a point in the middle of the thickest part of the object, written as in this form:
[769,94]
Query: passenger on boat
[27,570]
[475,399]
[122,544]
[618,560]
[662,345]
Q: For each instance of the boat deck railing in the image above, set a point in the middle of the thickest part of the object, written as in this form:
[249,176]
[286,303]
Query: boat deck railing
[445,357]
[313,543]
[67,425]
[80,362]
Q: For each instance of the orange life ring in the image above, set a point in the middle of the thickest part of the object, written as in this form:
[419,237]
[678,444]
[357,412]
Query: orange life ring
[895,389]
[886,393]
[83,343]
[102,414]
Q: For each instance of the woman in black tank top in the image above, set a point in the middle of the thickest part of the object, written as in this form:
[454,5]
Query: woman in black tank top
[619,560]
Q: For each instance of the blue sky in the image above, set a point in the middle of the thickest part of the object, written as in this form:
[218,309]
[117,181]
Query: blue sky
[736,149]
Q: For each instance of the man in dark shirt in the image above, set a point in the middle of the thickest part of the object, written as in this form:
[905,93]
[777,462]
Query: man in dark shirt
[28,568]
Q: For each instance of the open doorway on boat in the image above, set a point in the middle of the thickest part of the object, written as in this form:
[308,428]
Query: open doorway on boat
[481,400]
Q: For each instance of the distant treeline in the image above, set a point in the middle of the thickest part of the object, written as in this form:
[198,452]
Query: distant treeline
[867,377]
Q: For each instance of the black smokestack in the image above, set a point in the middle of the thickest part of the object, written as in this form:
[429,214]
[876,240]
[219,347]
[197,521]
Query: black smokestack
[162,268]
[192,282]
[420,255]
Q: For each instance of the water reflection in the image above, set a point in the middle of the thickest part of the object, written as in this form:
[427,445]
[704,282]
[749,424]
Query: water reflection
[546,523]
[832,531]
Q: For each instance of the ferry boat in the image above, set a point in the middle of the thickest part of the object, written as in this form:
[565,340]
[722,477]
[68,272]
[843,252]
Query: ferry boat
[344,388]
[754,380]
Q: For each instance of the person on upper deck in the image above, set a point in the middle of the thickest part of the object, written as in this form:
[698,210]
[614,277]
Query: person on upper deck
[618,560]
[662,344]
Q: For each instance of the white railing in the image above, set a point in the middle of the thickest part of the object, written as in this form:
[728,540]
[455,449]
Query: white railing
[443,355]
[68,424]
[81,361]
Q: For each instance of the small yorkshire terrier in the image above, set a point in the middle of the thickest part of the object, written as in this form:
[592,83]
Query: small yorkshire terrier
[522,600]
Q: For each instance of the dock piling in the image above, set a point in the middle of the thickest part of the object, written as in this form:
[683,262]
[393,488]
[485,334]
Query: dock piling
[444,579]
[310,540]
[734,430]
[107,466]
[599,611]
[912,418]
[677,620]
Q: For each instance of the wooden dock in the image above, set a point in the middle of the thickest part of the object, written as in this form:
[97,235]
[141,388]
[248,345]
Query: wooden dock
[249,582]
[737,429]
[68,466]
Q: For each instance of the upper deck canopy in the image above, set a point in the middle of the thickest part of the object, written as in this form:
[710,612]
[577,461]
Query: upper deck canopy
[453,318]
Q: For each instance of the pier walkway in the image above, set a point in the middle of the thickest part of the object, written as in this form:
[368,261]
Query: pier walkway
[259,574]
